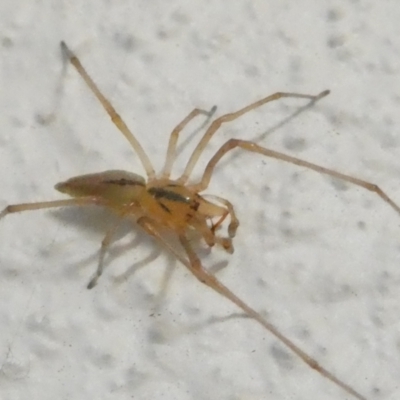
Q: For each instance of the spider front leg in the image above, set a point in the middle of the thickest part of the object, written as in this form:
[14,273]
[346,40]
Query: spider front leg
[195,266]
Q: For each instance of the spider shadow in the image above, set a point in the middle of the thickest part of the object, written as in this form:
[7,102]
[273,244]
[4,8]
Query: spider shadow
[96,221]
[93,221]
[159,337]
[260,137]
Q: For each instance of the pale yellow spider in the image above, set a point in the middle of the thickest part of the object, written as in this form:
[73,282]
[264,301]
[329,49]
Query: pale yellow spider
[160,204]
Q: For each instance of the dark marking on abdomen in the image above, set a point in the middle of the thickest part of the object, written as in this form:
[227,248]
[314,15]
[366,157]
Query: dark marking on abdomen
[124,182]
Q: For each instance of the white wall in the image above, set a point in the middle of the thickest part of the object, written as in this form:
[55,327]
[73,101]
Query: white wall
[319,258]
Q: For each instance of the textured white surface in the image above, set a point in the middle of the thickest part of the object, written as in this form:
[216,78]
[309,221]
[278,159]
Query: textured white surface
[321,259]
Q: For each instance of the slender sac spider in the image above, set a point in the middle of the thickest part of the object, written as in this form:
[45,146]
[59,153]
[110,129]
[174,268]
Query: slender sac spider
[161,204]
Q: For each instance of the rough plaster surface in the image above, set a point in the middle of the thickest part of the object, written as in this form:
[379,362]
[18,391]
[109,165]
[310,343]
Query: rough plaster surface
[319,258]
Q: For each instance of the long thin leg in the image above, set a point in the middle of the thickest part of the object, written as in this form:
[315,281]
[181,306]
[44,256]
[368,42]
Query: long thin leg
[232,116]
[255,148]
[150,227]
[193,264]
[14,208]
[105,243]
[211,281]
[115,117]
[173,139]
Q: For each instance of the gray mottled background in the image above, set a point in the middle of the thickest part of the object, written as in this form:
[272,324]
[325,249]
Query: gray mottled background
[319,258]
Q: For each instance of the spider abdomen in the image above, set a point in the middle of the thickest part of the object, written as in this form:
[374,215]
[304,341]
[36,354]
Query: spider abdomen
[115,188]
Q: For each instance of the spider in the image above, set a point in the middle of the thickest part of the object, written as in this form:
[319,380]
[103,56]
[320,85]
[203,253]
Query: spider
[160,204]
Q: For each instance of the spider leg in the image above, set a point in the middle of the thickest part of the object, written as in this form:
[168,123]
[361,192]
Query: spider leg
[173,139]
[232,116]
[209,236]
[15,208]
[151,228]
[255,148]
[194,265]
[115,117]
[105,244]
[216,225]
[234,223]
